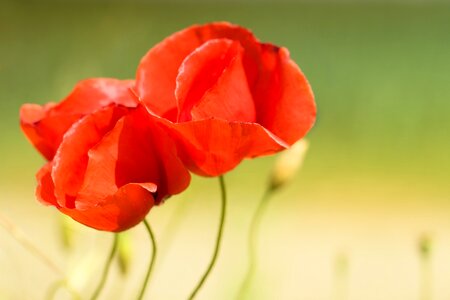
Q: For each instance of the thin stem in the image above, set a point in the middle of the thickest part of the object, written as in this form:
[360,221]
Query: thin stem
[340,277]
[218,239]
[253,241]
[426,280]
[20,237]
[106,269]
[425,274]
[152,261]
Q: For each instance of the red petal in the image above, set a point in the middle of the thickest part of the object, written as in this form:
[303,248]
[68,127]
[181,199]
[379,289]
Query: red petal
[283,98]
[43,131]
[45,191]
[213,147]
[45,125]
[158,70]
[135,151]
[212,83]
[92,94]
[121,211]
[71,158]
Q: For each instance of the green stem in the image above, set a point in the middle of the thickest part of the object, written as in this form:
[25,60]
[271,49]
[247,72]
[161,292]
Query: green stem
[340,277]
[106,269]
[152,261]
[253,241]
[218,239]
[426,279]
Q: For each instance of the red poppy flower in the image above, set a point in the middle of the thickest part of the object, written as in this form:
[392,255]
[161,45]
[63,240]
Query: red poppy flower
[110,162]
[45,125]
[224,95]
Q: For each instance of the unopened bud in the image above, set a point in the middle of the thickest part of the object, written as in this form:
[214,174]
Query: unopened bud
[425,245]
[66,230]
[124,248]
[341,263]
[287,164]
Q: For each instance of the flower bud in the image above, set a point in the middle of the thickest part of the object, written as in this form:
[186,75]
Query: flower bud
[66,231]
[125,249]
[287,164]
[425,245]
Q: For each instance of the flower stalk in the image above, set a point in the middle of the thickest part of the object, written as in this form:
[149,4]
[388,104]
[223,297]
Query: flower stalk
[106,269]
[152,260]
[286,166]
[426,278]
[253,242]
[218,239]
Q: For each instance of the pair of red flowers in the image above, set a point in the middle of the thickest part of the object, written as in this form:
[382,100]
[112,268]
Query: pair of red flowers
[204,99]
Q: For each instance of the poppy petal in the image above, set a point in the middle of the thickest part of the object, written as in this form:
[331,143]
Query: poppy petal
[213,147]
[45,191]
[135,151]
[210,74]
[158,69]
[93,94]
[45,132]
[173,172]
[71,158]
[284,100]
[121,211]
[45,125]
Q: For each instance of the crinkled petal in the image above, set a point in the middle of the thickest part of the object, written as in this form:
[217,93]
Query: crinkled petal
[121,211]
[45,125]
[92,94]
[158,69]
[212,83]
[45,191]
[70,161]
[284,100]
[135,151]
[213,147]
[43,131]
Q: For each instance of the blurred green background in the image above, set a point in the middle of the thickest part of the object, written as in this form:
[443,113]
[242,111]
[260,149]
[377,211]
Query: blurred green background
[375,180]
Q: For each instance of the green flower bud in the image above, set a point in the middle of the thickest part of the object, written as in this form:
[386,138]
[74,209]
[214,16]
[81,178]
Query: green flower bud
[287,164]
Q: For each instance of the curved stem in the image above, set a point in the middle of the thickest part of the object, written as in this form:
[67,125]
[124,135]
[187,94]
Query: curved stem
[218,239]
[106,269]
[253,241]
[152,261]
